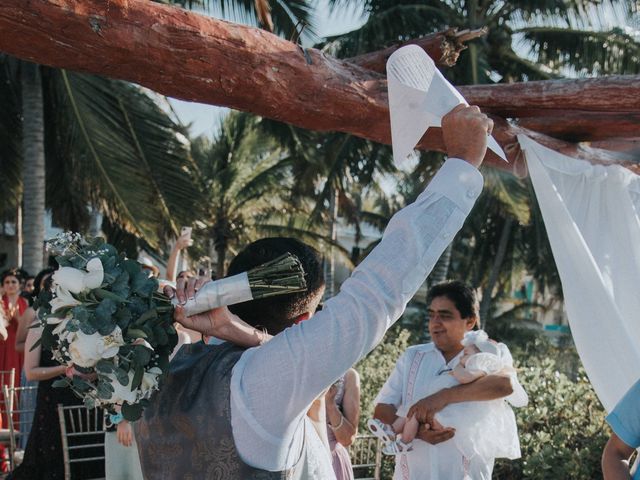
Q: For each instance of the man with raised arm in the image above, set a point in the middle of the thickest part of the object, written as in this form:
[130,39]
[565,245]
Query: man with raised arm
[229,413]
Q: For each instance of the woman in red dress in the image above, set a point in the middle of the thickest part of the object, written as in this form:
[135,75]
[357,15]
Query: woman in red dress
[14,306]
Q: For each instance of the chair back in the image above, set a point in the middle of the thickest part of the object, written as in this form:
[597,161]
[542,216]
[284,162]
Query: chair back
[8,379]
[20,415]
[366,457]
[82,432]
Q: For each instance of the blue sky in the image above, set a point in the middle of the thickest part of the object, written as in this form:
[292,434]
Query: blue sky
[205,118]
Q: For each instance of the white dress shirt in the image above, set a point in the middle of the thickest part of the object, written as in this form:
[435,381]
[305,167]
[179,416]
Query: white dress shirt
[406,385]
[272,386]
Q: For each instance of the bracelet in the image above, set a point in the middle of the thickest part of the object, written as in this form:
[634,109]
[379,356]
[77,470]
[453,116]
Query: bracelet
[333,429]
[116,419]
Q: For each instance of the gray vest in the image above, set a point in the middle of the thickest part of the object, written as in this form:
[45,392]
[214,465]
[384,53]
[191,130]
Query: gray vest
[185,433]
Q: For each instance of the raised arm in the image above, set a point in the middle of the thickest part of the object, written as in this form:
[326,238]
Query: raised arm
[345,423]
[311,356]
[172,264]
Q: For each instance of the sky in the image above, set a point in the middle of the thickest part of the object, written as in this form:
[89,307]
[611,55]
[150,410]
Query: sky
[205,118]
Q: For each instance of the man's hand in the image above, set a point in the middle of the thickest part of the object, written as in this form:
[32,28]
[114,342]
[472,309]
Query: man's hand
[425,409]
[465,130]
[218,322]
[435,436]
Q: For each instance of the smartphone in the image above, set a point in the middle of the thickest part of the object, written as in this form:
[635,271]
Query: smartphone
[187,231]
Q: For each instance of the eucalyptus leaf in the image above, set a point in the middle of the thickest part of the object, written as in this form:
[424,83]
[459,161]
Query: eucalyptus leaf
[137,377]
[105,310]
[131,412]
[61,382]
[141,355]
[122,376]
[120,286]
[105,366]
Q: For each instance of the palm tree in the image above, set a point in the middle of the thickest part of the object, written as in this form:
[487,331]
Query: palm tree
[135,170]
[244,179]
[525,41]
[107,145]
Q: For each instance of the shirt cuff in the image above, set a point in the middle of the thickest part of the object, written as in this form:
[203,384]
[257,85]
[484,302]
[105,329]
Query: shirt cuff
[459,181]
[622,432]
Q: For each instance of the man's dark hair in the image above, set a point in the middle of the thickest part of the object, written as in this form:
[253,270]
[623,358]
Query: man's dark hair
[279,312]
[462,295]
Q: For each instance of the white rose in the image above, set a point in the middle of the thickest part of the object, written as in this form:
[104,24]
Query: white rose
[86,350]
[62,299]
[150,381]
[76,281]
[122,393]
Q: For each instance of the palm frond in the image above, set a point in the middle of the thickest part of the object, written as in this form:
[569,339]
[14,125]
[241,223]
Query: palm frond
[586,51]
[125,152]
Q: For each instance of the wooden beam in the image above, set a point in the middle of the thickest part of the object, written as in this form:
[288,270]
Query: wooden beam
[584,126]
[443,47]
[192,57]
[615,93]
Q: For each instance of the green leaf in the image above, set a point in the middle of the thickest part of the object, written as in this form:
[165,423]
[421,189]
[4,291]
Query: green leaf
[122,376]
[81,385]
[105,390]
[146,316]
[121,285]
[102,294]
[105,310]
[131,412]
[88,328]
[61,382]
[131,267]
[80,313]
[137,377]
[105,366]
[141,355]
[136,333]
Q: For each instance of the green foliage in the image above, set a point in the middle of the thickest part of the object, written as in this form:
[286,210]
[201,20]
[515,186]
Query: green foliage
[562,430]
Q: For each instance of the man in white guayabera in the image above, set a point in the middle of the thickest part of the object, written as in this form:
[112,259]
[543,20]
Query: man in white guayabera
[229,413]
[458,393]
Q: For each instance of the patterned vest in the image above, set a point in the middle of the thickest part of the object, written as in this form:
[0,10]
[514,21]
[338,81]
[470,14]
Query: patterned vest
[185,433]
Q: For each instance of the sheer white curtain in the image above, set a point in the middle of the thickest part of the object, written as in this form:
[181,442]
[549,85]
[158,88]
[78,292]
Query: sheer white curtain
[591,217]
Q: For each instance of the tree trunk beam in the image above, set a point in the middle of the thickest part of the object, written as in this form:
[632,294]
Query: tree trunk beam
[615,93]
[196,58]
[584,126]
[443,47]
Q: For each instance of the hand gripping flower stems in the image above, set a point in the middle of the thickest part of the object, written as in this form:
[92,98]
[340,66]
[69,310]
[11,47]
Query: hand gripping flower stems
[106,319]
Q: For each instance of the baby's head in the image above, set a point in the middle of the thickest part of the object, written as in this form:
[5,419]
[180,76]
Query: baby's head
[477,341]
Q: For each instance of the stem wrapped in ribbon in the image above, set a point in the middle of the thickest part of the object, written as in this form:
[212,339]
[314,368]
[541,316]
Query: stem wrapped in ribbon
[277,277]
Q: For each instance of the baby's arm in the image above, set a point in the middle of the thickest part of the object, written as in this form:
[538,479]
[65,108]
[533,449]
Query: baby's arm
[398,424]
[465,375]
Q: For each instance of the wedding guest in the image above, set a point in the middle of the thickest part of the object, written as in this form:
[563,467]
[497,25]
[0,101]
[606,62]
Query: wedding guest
[182,242]
[14,307]
[453,312]
[624,420]
[343,413]
[28,397]
[241,414]
[43,458]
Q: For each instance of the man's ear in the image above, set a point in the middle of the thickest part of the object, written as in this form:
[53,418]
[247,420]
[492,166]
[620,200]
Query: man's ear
[302,318]
[471,322]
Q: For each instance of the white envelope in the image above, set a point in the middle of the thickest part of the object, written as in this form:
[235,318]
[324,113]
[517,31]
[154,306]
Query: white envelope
[419,96]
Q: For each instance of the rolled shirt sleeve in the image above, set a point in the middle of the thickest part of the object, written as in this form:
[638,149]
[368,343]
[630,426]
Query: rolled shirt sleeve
[625,417]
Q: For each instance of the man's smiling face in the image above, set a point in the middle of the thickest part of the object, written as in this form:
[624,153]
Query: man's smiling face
[446,325]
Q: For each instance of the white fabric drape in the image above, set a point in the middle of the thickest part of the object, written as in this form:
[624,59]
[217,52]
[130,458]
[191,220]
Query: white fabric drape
[591,217]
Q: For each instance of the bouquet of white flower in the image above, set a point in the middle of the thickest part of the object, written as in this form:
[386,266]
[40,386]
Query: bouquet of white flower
[107,320]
